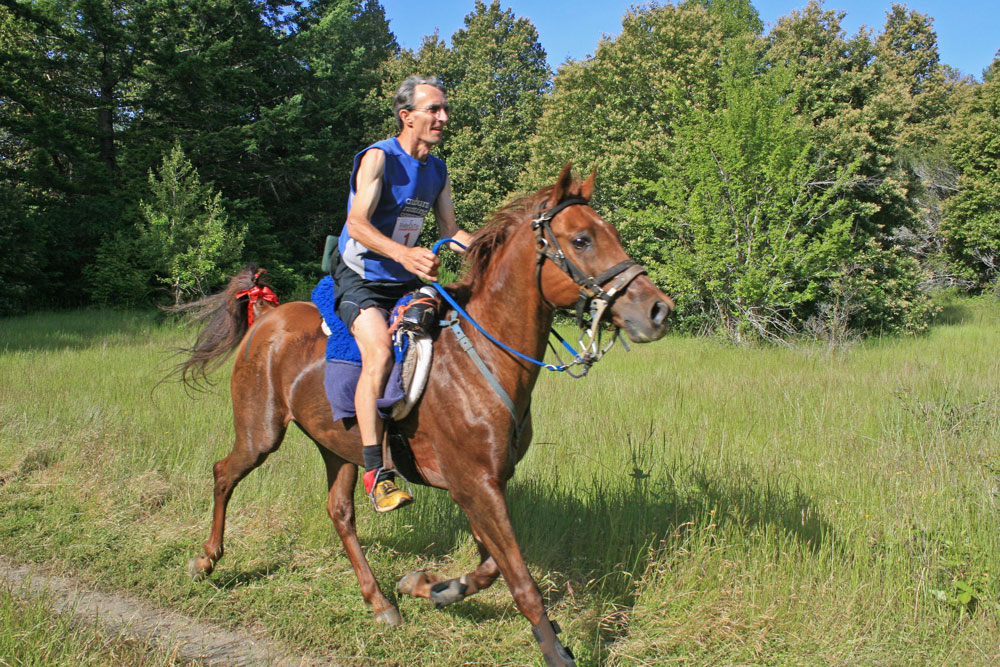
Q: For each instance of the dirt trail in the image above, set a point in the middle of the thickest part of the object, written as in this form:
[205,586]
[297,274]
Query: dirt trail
[190,638]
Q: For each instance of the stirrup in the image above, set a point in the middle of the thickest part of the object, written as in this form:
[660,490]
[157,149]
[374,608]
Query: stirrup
[420,314]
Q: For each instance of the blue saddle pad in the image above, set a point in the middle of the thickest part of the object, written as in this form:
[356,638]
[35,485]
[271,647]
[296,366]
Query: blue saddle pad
[340,346]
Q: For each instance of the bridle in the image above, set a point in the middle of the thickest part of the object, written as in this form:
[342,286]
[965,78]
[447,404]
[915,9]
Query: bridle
[594,297]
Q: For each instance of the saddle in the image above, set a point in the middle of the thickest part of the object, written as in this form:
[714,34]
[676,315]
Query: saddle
[413,324]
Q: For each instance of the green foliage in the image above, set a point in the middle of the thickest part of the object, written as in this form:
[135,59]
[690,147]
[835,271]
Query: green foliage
[971,225]
[839,89]
[65,62]
[186,230]
[306,141]
[890,152]
[907,50]
[120,275]
[962,578]
[748,222]
[879,291]
[614,111]
[21,251]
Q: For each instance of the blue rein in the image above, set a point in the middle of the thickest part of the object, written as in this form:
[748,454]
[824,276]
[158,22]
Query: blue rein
[447,297]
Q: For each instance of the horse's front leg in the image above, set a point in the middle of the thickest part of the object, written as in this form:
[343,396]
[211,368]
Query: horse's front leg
[423,584]
[486,507]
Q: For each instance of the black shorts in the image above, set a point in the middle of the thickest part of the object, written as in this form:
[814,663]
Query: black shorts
[353,293]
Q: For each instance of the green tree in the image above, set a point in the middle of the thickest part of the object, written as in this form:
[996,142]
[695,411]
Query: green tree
[186,230]
[67,67]
[306,140]
[618,109]
[925,91]
[971,225]
[749,223]
[859,107]
[21,240]
[498,78]
[907,51]
[263,95]
[754,230]
[213,75]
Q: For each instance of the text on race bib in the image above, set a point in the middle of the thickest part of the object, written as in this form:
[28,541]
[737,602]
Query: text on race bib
[407,230]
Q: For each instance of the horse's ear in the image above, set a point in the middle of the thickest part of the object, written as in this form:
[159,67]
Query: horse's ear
[587,189]
[562,186]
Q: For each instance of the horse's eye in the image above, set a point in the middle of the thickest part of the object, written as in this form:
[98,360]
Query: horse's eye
[581,242]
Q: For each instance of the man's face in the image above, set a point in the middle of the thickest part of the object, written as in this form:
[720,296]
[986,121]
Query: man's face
[429,114]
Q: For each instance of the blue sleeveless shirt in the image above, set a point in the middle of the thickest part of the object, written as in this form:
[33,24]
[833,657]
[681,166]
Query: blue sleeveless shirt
[409,189]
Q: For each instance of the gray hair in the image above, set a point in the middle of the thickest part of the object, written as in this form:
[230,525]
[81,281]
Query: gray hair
[407,92]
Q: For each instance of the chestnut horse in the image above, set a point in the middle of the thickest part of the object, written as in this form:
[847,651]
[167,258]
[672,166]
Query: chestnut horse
[522,267]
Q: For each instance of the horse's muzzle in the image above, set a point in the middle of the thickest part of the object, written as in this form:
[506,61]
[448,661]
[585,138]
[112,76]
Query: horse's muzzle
[643,315]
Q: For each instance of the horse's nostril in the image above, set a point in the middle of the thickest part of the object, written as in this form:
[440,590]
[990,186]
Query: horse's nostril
[659,312]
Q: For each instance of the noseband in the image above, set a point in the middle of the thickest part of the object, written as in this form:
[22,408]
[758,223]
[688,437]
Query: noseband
[594,297]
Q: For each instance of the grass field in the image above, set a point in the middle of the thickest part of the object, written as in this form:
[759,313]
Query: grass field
[687,502]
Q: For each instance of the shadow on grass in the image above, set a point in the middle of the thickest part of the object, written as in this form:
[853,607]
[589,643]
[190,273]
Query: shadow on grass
[245,578]
[953,313]
[956,309]
[76,329]
[603,531]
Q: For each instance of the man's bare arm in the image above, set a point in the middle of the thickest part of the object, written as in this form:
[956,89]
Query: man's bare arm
[444,211]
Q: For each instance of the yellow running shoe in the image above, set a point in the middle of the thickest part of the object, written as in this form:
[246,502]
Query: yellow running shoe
[387,496]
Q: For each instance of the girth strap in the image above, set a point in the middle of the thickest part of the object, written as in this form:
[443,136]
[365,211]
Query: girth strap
[470,349]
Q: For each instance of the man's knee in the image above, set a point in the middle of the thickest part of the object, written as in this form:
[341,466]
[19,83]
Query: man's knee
[378,361]
[372,335]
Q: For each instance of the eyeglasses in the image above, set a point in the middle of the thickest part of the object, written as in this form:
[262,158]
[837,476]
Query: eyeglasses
[434,109]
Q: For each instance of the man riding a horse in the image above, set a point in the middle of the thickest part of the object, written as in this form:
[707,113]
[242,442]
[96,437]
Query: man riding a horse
[542,252]
[394,184]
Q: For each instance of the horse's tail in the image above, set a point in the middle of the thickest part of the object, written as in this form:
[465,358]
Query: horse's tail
[226,318]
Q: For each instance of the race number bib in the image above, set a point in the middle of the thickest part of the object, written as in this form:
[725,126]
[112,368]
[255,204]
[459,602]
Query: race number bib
[407,230]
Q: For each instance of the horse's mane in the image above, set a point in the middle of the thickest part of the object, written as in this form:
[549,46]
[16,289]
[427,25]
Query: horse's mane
[497,230]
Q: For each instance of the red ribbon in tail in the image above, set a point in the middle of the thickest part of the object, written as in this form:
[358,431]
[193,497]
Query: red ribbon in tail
[256,293]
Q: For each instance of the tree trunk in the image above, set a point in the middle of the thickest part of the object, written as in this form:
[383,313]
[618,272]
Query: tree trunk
[105,117]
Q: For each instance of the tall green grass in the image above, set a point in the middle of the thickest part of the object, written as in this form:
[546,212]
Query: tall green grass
[687,501]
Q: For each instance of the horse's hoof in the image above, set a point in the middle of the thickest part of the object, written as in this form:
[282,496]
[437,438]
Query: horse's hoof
[444,593]
[389,617]
[409,584]
[200,567]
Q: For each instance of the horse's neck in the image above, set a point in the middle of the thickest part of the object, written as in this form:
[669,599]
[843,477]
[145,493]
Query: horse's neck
[508,305]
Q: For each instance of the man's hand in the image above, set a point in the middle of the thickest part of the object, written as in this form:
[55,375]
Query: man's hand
[420,261]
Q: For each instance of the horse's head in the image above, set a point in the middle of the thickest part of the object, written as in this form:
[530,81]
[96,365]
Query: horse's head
[581,258]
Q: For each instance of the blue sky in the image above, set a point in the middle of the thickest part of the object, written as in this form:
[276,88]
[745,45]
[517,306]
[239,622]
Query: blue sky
[968,30]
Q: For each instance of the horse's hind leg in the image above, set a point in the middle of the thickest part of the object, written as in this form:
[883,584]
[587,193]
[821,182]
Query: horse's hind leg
[342,478]
[444,592]
[252,447]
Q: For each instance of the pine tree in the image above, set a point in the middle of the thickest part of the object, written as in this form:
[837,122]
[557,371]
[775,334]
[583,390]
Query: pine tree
[186,230]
